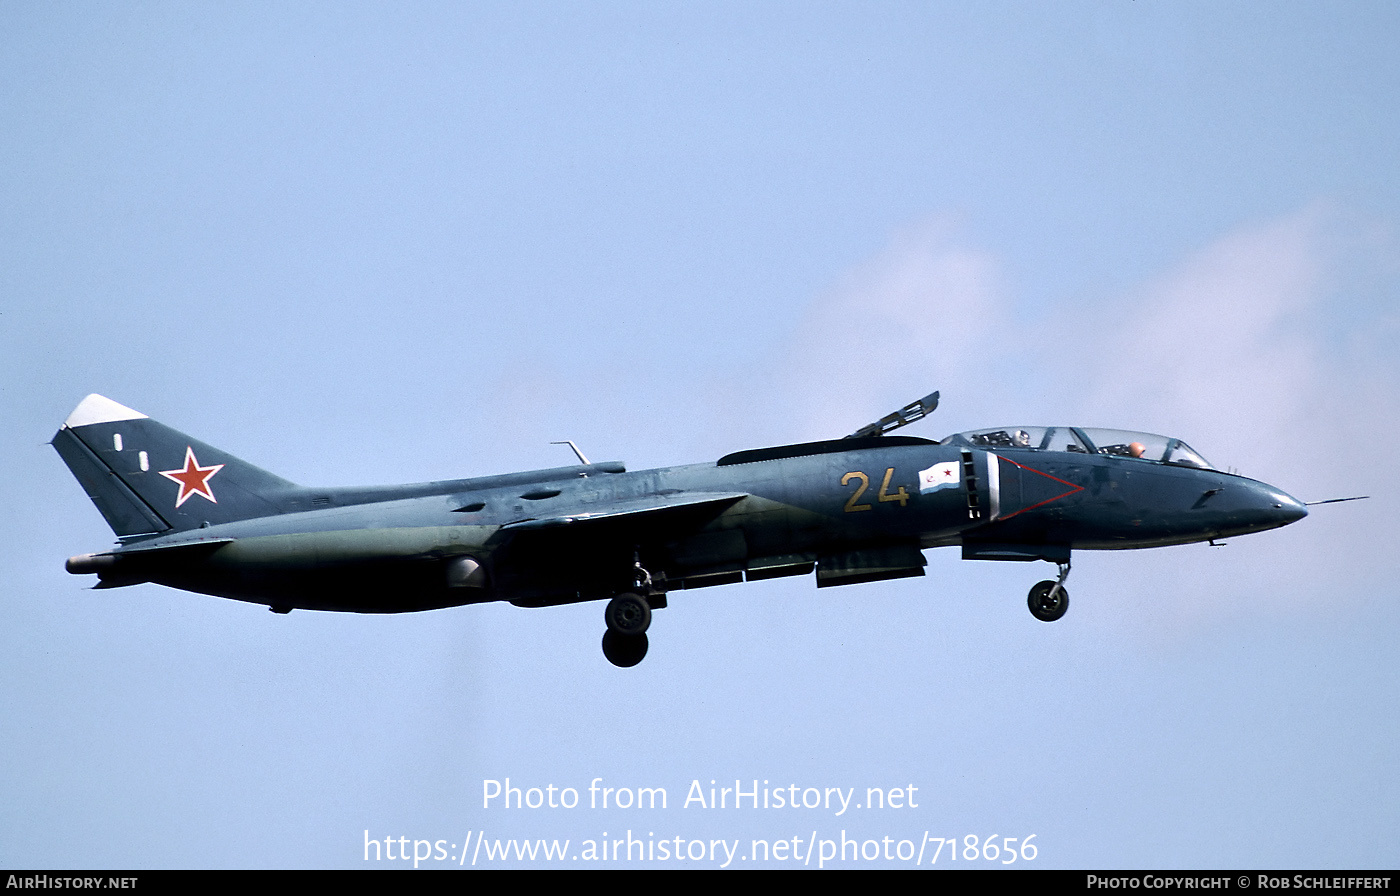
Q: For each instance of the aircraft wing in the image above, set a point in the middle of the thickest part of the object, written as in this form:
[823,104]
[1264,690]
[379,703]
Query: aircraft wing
[649,511]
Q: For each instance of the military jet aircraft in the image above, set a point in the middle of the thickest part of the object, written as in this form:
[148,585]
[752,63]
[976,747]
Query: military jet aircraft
[857,509]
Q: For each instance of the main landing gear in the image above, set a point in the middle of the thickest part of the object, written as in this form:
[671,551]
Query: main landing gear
[625,642]
[628,616]
[1048,600]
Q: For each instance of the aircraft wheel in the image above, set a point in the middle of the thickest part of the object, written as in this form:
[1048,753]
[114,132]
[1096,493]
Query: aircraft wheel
[628,615]
[625,651]
[1047,605]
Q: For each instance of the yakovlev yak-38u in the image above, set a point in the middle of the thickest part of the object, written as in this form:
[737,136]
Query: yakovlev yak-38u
[857,509]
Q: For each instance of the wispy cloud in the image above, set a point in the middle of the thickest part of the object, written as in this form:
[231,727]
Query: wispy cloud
[920,315]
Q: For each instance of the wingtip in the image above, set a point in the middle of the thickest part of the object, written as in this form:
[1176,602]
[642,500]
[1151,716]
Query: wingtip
[100,409]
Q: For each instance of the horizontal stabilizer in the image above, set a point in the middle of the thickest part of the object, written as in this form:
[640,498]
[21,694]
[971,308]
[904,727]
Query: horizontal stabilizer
[134,565]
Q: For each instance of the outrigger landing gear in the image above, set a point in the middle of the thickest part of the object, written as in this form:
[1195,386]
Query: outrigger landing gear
[1049,600]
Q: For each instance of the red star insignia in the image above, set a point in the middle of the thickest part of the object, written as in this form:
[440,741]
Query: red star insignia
[193,479]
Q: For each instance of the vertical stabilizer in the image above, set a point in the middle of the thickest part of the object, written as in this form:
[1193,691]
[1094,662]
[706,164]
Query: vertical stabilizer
[147,478]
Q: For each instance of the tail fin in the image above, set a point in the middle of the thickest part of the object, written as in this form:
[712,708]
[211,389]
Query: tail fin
[147,478]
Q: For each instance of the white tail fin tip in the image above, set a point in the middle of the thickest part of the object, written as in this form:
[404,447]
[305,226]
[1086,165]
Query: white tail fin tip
[97,409]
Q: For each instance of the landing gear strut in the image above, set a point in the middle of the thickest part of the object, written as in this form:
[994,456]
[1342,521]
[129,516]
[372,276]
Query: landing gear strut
[1048,600]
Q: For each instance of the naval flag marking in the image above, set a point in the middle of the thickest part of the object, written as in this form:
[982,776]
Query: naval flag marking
[938,476]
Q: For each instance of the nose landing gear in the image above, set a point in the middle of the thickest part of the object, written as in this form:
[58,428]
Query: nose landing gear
[1048,600]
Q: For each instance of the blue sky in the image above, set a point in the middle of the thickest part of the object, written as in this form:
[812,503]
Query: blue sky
[362,243]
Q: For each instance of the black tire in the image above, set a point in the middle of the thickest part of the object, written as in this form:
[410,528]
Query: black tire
[624,651]
[1045,607]
[628,615]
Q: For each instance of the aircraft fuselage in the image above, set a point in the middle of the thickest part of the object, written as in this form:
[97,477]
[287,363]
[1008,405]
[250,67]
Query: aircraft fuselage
[858,509]
[790,515]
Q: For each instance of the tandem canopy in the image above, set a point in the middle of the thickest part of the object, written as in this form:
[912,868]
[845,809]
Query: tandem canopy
[1117,442]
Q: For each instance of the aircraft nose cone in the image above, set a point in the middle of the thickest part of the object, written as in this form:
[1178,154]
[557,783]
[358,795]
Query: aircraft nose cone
[1281,508]
[1252,506]
[1292,509]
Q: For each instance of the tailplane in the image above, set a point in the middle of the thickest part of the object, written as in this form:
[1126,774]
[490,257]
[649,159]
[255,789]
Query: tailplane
[147,478]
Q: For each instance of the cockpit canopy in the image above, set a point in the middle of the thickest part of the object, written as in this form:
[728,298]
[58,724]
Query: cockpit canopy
[1117,442]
